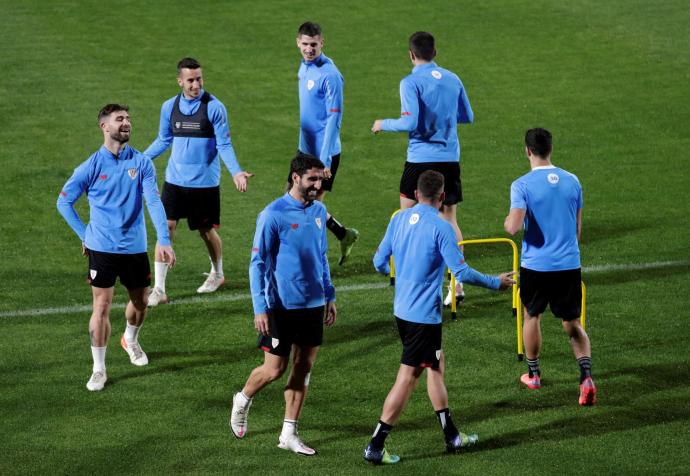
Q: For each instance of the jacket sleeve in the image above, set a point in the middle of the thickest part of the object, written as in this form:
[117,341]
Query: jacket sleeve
[409,110]
[153,202]
[74,188]
[333,90]
[265,238]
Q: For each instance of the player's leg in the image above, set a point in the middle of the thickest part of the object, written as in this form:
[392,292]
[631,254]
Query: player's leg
[346,236]
[531,336]
[204,216]
[303,358]
[102,276]
[174,203]
[214,245]
[449,212]
[418,352]
[393,406]
[272,369]
[135,272]
[534,294]
[566,303]
[438,395]
[99,332]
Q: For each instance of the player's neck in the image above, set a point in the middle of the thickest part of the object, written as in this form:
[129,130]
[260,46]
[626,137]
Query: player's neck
[114,146]
[536,161]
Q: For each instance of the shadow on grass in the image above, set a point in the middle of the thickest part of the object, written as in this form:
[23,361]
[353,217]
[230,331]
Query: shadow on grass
[176,361]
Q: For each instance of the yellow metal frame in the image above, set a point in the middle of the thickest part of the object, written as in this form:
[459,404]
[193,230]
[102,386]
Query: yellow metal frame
[516,304]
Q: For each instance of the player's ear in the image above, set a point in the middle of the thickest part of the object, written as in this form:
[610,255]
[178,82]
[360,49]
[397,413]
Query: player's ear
[416,194]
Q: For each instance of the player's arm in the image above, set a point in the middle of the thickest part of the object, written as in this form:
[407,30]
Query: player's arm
[165,135]
[579,224]
[465,113]
[333,93]
[463,272]
[329,289]
[384,251]
[221,127]
[518,208]
[157,211]
[409,111]
[74,188]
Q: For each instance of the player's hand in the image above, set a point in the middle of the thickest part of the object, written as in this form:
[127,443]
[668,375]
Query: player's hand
[84,250]
[168,255]
[261,323]
[240,179]
[327,173]
[507,280]
[376,128]
[331,314]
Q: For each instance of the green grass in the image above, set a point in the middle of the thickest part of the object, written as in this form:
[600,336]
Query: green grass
[609,79]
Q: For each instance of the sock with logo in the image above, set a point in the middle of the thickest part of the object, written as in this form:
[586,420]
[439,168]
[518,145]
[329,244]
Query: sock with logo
[585,367]
[450,431]
[378,439]
[533,366]
[336,228]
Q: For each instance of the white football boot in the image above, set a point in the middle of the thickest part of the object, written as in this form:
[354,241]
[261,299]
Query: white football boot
[238,416]
[97,381]
[156,297]
[295,444]
[212,283]
[136,355]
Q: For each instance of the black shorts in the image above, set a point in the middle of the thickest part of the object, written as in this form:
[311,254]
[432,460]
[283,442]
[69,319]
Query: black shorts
[327,184]
[303,327]
[421,343]
[560,290]
[200,206]
[451,176]
[134,270]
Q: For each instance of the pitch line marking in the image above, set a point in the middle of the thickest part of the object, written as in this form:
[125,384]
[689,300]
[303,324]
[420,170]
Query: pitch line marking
[340,289]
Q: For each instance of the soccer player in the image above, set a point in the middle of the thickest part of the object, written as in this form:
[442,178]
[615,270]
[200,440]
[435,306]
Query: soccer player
[292,296]
[433,102]
[115,179]
[196,124]
[320,116]
[548,201]
[422,245]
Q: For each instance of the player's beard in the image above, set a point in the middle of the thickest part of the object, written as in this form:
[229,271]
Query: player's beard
[120,136]
[308,194]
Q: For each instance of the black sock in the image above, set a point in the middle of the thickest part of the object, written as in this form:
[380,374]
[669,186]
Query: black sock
[450,431]
[585,367]
[336,228]
[378,439]
[533,366]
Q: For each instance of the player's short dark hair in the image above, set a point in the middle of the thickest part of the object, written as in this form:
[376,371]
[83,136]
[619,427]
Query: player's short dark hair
[423,46]
[189,63]
[539,142]
[309,28]
[108,109]
[430,184]
[301,163]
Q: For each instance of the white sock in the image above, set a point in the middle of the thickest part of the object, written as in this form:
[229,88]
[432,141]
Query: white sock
[244,400]
[98,354]
[289,428]
[217,267]
[160,271]
[131,333]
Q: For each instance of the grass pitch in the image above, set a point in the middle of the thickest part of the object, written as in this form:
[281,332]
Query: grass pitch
[610,80]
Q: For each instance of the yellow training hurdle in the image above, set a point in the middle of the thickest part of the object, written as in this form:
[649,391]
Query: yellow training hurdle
[516,303]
